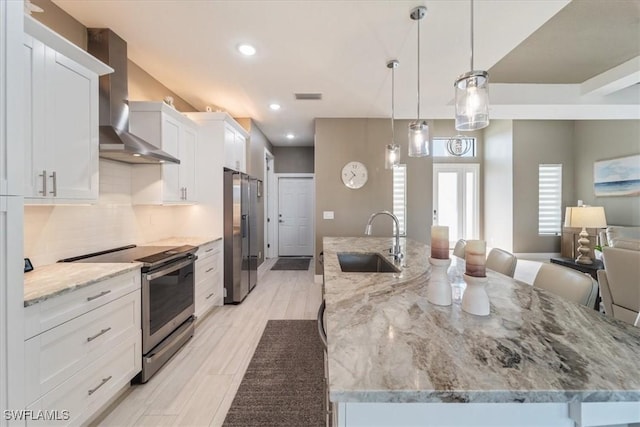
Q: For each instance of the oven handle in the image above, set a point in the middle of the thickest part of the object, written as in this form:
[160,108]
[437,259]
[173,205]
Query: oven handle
[171,268]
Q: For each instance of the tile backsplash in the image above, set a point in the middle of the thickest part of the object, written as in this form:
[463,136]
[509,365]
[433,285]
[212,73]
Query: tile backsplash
[55,232]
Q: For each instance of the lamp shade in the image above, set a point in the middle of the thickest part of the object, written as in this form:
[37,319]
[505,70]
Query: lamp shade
[418,138]
[586,217]
[392,156]
[472,101]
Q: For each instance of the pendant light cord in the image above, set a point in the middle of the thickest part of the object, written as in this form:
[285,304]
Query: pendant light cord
[393,103]
[418,119]
[471,36]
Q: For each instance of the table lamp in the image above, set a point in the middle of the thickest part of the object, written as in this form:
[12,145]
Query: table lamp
[585,217]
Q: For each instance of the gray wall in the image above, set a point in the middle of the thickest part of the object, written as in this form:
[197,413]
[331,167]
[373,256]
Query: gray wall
[339,141]
[536,142]
[293,159]
[600,140]
[498,184]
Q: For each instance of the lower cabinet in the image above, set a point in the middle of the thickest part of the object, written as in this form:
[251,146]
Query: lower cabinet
[77,365]
[209,278]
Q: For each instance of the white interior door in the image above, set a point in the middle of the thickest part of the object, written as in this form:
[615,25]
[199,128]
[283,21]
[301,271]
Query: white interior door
[456,199]
[295,217]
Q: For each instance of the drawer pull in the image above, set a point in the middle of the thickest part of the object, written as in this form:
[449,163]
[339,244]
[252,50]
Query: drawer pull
[102,332]
[103,382]
[101,294]
[209,296]
[208,250]
[209,269]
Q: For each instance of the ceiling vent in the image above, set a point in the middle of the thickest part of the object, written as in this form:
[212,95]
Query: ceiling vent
[308,96]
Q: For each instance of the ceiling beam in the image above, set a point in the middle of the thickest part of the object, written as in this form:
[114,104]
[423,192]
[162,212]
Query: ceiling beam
[617,78]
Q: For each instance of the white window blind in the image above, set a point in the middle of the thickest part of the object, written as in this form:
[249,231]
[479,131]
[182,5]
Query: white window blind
[549,199]
[400,196]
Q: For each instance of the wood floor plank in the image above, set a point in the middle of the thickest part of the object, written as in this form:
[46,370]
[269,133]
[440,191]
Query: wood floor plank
[196,387]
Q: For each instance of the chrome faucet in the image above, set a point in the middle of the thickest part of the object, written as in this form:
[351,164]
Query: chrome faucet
[396,249]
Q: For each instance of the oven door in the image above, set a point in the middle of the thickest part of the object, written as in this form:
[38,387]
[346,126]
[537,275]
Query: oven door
[167,300]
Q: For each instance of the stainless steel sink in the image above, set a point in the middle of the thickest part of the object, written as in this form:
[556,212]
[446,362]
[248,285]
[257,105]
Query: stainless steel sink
[359,262]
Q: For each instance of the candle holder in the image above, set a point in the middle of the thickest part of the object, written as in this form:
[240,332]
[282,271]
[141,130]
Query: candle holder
[475,299]
[439,288]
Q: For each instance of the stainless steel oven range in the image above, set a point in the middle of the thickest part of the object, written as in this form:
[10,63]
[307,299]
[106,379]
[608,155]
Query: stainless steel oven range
[167,298]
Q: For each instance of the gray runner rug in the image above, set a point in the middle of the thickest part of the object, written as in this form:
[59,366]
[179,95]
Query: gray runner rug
[292,264]
[284,383]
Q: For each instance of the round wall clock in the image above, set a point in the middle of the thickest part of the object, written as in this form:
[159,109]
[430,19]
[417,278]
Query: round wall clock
[354,175]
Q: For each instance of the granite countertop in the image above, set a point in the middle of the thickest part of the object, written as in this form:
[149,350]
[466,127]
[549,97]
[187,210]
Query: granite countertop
[386,343]
[52,280]
[180,241]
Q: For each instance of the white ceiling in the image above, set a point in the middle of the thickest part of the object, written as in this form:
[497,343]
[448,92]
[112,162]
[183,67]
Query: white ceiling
[338,48]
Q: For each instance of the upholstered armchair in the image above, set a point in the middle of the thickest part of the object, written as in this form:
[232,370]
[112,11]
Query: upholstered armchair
[620,283]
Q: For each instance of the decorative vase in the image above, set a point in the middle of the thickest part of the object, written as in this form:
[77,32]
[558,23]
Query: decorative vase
[439,288]
[475,299]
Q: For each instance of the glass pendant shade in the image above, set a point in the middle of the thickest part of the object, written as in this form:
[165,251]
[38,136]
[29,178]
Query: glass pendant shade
[418,139]
[392,156]
[472,101]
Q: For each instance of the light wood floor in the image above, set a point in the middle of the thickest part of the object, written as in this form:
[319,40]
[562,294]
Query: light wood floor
[196,387]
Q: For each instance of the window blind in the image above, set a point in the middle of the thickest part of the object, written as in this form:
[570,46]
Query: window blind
[400,196]
[549,199]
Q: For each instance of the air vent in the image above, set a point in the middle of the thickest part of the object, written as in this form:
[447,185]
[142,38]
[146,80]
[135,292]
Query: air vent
[308,96]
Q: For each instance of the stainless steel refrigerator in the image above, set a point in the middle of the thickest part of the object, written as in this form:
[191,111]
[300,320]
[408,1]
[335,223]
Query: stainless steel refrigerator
[240,235]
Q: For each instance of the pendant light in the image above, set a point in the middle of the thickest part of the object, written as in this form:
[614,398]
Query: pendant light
[472,96]
[392,151]
[418,129]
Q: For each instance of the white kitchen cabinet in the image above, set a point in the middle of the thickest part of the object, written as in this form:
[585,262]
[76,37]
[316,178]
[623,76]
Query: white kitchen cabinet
[82,350]
[174,133]
[235,148]
[61,126]
[209,278]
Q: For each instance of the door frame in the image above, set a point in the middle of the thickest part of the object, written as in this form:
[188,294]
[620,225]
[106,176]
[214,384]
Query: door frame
[277,177]
[271,198]
[459,167]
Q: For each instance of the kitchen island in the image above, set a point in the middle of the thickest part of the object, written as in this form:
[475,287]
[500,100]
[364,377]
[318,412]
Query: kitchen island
[537,360]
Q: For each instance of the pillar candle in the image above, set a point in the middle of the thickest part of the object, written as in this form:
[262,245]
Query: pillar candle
[440,242]
[475,257]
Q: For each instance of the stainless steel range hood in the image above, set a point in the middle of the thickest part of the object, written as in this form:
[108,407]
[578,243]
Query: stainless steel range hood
[116,142]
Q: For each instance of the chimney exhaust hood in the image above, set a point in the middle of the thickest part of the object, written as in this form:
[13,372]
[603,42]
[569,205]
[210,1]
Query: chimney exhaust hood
[116,142]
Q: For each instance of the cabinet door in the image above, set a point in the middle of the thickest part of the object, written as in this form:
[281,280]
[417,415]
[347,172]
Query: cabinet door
[71,123]
[188,146]
[229,148]
[35,173]
[241,152]
[171,130]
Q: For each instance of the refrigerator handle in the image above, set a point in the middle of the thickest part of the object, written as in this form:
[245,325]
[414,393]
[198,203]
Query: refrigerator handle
[243,226]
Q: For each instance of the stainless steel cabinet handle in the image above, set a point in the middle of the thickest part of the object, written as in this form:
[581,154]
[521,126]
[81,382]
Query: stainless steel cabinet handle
[209,269]
[209,296]
[54,178]
[103,382]
[186,192]
[208,250]
[101,294]
[44,183]
[102,332]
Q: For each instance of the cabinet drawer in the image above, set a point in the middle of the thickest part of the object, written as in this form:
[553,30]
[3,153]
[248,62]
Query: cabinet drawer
[55,355]
[209,249]
[47,314]
[91,388]
[207,268]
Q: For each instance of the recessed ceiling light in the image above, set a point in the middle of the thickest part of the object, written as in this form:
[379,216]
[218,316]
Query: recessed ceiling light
[274,107]
[247,49]
[290,136]
[136,155]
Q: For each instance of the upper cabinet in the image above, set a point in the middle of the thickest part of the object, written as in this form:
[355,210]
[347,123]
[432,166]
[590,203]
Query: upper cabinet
[61,126]
[235,147]
[174,133]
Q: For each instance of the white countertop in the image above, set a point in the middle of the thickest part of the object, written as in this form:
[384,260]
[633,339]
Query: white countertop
[386,343]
